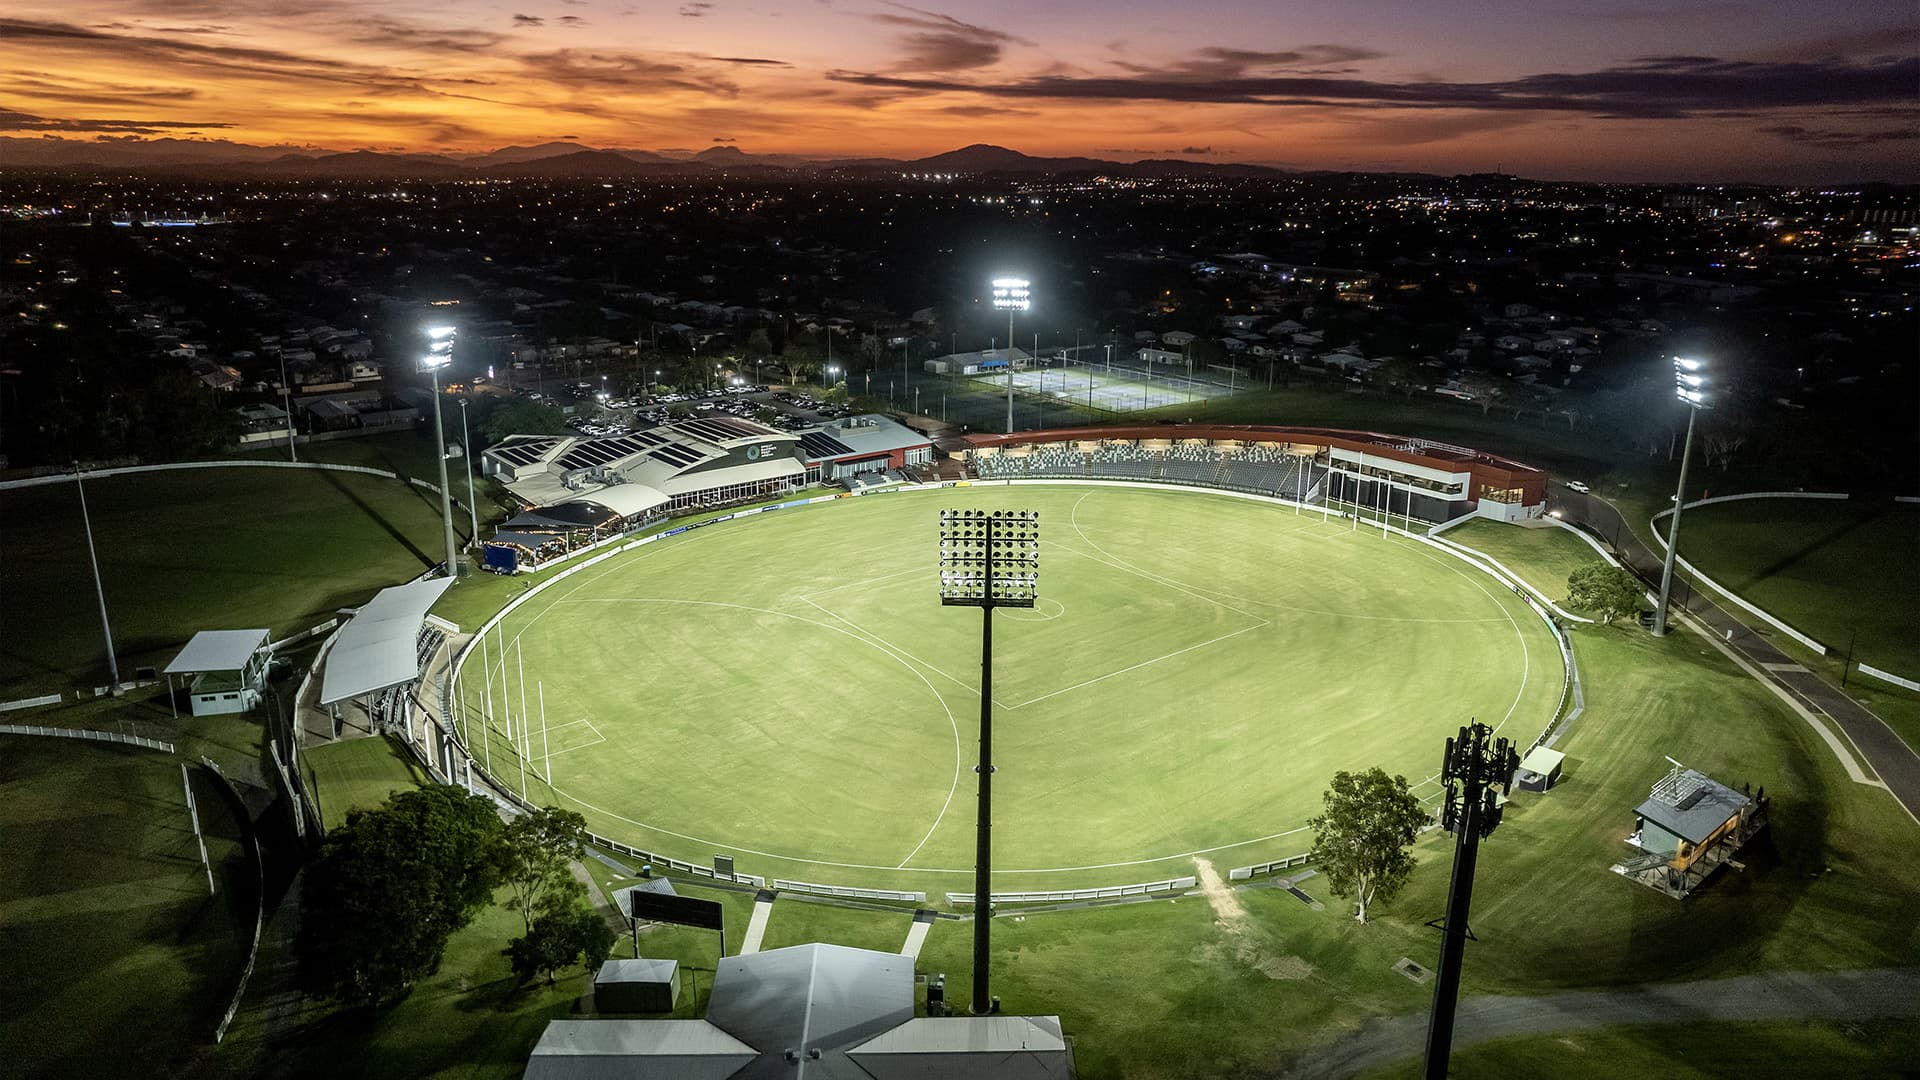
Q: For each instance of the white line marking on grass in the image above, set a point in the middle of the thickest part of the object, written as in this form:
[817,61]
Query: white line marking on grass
[871,581]
[1526,654]
[1135,667]
[886,649]
[878,640]
[1120,564]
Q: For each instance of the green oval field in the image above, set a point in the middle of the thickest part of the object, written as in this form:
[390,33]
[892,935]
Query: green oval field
[789,690]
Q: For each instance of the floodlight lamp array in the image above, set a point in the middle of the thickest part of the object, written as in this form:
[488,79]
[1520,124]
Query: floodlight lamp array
[439,347]
[1012,294]
[989,558]
[1688,382]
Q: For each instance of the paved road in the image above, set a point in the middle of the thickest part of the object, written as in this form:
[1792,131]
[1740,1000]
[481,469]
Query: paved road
[1841,995]
[1895,763]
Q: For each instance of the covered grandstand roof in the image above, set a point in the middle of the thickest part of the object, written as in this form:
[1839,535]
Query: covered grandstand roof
[376,649]
[859,436]
[218,650]
[636,1050]
[552,470]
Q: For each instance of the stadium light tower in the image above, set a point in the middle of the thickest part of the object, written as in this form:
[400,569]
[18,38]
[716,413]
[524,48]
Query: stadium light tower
[988,559]
[439,355]
[1476,764]
[466,449]
[1688,386]
[1011,294]
[99,590]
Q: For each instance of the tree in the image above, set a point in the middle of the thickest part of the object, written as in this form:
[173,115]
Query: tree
[1402,373]
[519,417]
[537,853]
[389,888]
[1361,839]
[565,929]
[1487,390]
[1608,591]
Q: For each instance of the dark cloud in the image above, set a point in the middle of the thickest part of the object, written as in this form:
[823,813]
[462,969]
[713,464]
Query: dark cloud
[1836,139]
[1652,87]
[695,10]
[14,120]
[943,43]
[394,32]
[572,20]
[1217,62]
[71,90]
[751,61]
[1202,150]
[592,69]
[984,110]
[528,20]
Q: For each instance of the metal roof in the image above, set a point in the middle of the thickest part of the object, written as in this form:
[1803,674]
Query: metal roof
[218,650]
[1003,1047]
[377,647]
[636,1050]
[810,997]
[1691,805]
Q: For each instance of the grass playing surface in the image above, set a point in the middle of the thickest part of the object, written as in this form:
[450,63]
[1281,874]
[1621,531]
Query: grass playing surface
[118,962]
[789,689]
[196,549]
[1829,567]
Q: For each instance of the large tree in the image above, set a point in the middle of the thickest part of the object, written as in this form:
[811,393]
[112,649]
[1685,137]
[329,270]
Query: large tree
[1361,839]
[1607,591]
[390,886]
[537,853]
[564,930]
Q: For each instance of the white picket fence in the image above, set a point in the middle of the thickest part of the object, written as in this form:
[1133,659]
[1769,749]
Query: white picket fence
[1242,873]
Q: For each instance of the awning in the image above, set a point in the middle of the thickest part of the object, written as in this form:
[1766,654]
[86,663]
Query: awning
[376,649]
[218,650]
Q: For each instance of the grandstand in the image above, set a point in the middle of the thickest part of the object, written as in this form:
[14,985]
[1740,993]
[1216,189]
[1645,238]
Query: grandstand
[1416,478]
[690,465]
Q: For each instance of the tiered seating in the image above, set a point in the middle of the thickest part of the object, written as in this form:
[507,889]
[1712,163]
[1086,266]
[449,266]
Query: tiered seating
[429,640]
[1264,469]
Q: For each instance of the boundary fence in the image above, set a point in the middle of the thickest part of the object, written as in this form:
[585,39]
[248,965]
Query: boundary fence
[238,808]
[88,734]
[1242,873]
[849,891]
[1110,892]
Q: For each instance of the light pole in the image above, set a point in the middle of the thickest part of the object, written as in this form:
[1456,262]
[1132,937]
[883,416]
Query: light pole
[1011,294]
[99,590]
[439,355]
[286,397]
[1687,383]
[988,559]
[466,446]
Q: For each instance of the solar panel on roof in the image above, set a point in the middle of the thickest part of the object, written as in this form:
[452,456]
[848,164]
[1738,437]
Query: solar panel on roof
[819,444]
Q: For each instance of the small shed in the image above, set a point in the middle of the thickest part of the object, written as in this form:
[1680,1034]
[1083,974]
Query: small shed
[636,986]
[1689,826]
[1539,770]
[226,670]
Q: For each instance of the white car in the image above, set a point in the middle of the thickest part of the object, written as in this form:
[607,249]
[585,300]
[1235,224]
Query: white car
[1575,485]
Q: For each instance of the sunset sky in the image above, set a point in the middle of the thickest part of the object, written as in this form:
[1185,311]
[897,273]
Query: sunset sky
[1606,89]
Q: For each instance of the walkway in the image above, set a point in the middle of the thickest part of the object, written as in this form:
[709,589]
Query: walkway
[1895,763]
[1840,995]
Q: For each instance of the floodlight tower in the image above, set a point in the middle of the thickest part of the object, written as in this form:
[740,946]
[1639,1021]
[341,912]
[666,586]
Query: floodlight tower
[988,559]
[1011,294]
[1687,386]
[439,355]
[1476,765]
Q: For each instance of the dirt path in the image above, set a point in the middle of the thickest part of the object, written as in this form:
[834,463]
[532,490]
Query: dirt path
[1246,941]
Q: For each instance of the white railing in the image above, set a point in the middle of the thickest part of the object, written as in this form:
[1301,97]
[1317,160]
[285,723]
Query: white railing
[29,702]
[1740,601]
[1242,873]
[1868,669]
[1111,892]
[87,734]
[239,805]
[897,895]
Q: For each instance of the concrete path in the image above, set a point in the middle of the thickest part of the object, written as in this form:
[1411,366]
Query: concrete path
[757,926]
[1894,764]
[1841,995]
[917,934]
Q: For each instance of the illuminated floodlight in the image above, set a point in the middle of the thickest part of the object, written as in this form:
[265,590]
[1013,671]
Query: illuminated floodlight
[1012,294]
[1687,384]
[989,558]
[438,332]
[439,347]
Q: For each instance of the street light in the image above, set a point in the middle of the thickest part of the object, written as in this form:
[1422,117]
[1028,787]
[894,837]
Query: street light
[439,355]
[988,559]
[1687,386]
[466,446]
[1011,294]
[99,589]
